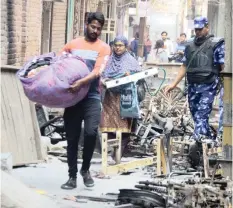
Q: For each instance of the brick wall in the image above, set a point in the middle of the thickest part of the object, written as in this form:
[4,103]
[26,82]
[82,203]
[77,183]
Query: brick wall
[82,17]
[58,25]
[4,39]
[20,30]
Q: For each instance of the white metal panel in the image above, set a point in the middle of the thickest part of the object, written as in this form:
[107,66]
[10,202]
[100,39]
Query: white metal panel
[132,78]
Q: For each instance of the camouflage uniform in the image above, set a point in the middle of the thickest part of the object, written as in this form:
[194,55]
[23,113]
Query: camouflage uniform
[201,98]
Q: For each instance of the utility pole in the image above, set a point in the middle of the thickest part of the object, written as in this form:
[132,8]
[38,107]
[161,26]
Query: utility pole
[142,28]
[227,99]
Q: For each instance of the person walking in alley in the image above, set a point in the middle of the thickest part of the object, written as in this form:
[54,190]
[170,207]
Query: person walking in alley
[95,53]
[168,46]
[134,45]
[159,53]
[147,47]
[202,63]
[120,63]
[180,48]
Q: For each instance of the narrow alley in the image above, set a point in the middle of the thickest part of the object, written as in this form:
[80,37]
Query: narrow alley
[116,103]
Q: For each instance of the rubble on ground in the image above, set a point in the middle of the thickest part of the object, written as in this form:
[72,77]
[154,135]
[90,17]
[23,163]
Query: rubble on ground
[185,185]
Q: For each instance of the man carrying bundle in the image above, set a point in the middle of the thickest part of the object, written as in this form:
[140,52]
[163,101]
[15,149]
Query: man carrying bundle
[95,53]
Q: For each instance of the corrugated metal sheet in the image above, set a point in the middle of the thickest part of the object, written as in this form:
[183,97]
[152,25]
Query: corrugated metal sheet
[19,127]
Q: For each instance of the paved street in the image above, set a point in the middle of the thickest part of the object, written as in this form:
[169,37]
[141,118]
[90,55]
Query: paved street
[47,179]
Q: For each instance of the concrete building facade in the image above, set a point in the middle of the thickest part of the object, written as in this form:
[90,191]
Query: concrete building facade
[36,27]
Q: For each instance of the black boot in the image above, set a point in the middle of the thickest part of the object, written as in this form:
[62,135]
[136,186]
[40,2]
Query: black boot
[87,179]
[70,184]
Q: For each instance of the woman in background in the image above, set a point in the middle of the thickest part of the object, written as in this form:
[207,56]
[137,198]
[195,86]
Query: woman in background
[160,54]
[120,63]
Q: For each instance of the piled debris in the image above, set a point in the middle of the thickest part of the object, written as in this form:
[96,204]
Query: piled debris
[161,115]
[168,115]
[179,189]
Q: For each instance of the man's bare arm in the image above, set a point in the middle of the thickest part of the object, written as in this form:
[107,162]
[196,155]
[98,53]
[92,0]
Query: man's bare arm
[178,78]
[88,78]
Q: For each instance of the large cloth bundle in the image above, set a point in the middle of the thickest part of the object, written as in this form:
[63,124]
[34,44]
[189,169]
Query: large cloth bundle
[47,78]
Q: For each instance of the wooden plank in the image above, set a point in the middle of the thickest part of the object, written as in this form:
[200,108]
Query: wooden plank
[37,136]
[20,133]
[159,163]
[104,138]
[8,119]
[17,115]
[10,68]
[29,145]
[205,160]
[118,148]
[169,154]
[124,167]
[215,150]
[4,136]
[30,120]
[163,158]
[16,111]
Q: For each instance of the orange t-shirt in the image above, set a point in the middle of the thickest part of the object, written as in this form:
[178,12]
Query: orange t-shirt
[95,54]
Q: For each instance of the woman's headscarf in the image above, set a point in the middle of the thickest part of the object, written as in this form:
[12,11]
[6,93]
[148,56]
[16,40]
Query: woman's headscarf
[119,65]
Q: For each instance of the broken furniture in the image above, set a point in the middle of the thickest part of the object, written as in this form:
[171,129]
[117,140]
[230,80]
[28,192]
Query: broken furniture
[173,107]
[154,141]
[125,166]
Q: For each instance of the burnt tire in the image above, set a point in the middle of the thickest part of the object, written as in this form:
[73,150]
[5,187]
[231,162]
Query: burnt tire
[195,155]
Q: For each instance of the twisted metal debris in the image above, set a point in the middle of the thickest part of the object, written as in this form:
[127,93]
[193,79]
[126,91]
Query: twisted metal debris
[184,190]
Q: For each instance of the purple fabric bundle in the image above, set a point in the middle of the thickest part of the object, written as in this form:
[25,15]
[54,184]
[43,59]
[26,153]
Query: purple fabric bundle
[49,86]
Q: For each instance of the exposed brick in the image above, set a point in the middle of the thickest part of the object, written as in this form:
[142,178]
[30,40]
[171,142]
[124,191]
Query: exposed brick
[11,56]
[21,30]
[59,25]
[11,61]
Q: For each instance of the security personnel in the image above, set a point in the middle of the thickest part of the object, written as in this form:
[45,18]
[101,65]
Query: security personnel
[202,63]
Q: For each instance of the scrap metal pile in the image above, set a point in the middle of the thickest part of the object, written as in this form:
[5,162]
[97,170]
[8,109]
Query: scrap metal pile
[179,189]
[168,115]
[162,114]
